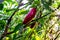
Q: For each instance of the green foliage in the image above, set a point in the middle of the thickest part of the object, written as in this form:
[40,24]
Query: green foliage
[35,3]
[8,0]
[1,6]
[18,27]
[47,21]
[20,12]
[2,24]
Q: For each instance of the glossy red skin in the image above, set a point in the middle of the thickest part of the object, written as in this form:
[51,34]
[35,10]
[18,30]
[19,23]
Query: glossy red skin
[30,15]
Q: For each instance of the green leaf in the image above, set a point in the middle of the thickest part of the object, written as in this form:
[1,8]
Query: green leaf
[18,27]
[36,3]
[45,4]
[2,24]
[22,11]
[55,5]
[33,38]
[1,6]
[14,37]
[9,0]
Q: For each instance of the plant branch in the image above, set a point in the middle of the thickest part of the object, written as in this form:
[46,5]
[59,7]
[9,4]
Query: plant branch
[57,35]
[31,23]
[8,22]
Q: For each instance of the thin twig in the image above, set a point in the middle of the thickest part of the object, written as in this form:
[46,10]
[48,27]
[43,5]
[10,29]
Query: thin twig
[49,28]
[57,35]
[9,20]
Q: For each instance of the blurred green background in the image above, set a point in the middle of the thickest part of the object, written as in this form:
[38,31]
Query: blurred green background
[47,18]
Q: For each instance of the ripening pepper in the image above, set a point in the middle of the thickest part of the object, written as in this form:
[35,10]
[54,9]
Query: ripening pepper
[34,25]
[30,16]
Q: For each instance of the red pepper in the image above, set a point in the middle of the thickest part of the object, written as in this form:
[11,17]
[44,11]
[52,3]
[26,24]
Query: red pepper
[32,25]
[30,16]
